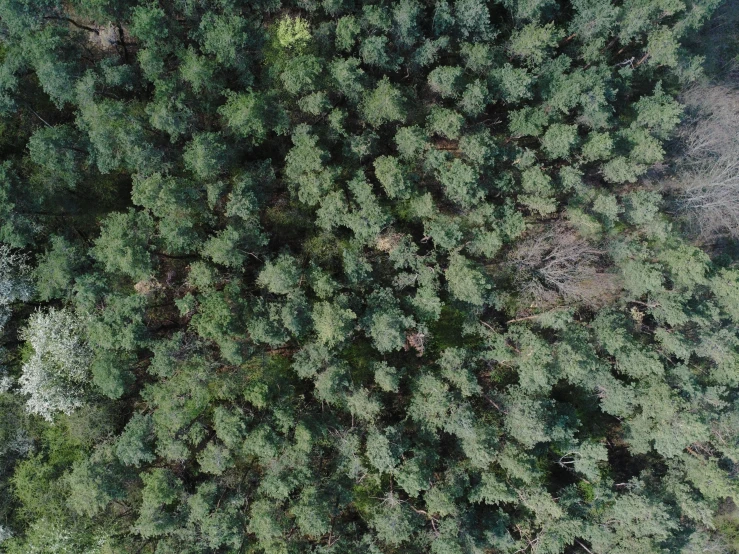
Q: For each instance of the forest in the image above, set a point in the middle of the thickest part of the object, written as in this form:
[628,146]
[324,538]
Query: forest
[369,276]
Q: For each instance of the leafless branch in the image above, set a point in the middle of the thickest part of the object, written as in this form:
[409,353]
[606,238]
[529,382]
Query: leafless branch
[556,264]
[707,183]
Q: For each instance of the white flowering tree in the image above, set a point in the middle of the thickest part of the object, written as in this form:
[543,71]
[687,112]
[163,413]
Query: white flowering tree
[14,283]
[55,377]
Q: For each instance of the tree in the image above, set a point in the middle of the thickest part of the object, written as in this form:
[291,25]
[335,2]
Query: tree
[94,483]
[301,74]
[636,523]
[445,122]
[58,153]
[444,81]
[393,522]
[512,83]
[292,33]
[198,71]
[374,52]
[56,376]
[465,282]
[332,322]
[350,80]
[57,269]
[252,116]
[119,325]
[347,29]
[135,444]
[122,245]
[473,20]
[355,277]
[220,523]
[52,536]
[389,172]
[385,322]
[528,121]
[116,140]
[558,262]
[111,373]
[368,217]
[215,321]
[559,140]
[280,276]
[460,183]
[305,166]
[225,37]
[538,190]
[225,248]
[531,42]
[410,142]
[706,188]
[161,495]
[14,283]
[384,104]
[205,155]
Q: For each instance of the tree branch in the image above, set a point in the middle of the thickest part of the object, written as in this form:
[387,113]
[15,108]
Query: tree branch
[73,22]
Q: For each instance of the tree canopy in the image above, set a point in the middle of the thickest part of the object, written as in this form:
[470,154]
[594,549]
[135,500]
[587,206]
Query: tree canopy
[369,276]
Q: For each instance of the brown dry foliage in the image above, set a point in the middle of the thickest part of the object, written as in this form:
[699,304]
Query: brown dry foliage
[388,241]
[417,341]
[147,287]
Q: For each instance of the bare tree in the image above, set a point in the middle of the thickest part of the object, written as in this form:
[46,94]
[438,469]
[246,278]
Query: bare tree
[557,264]
[707,183]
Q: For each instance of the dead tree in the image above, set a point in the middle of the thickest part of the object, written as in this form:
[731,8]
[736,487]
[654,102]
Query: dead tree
[557,264]
[707,183]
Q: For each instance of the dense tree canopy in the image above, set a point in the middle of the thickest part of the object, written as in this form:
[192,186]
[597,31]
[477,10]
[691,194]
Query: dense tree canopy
[369,276]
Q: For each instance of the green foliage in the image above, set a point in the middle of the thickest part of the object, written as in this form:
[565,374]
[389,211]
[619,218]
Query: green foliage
[332,322]
[122,246]
[384,104]
[527,121]
[385,322]
[559,140]
[465,282]
[513,83]
[134,445]
[281,276]
[292,33]
[392,177]
[119,325]
[57,268]
[460,183]
[93,485]
[52,536]
[444,81]
[305,167]
[149,23]
[347,29]
[532,41]
[597,147]
[333,276]
[251,116]
[205,156]
[445,122]
[160,502]
[56,152]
